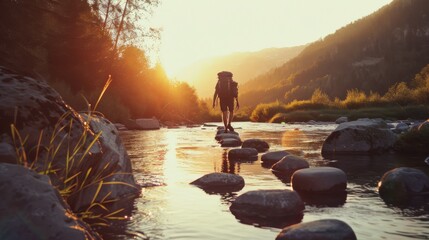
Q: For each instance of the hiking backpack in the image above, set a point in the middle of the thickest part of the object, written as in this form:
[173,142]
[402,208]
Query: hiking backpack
[226,88]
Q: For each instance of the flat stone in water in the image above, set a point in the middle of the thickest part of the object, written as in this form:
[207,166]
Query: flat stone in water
[268,204]
[290,164]
[319,180]
[325,229]
[221,136]
[400,184]
[220,182]
[257,144]
[249,154]
[273,157]
[230,142]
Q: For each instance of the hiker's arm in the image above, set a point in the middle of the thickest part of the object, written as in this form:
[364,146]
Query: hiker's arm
[238,104]
[214,98]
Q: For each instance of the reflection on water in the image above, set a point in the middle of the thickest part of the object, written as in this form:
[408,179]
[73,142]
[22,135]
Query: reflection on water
[167,160]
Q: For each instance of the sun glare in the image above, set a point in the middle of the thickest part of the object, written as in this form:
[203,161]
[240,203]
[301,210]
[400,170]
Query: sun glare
[197,29]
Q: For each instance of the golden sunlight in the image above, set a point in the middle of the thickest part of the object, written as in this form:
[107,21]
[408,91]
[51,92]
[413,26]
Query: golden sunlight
[196,29]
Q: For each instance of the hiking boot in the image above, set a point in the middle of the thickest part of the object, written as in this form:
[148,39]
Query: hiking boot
[230,128]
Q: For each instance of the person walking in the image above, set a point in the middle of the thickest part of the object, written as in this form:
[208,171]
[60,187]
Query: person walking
[227,90]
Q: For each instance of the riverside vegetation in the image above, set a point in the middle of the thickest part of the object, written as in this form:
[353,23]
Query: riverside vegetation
[401,101]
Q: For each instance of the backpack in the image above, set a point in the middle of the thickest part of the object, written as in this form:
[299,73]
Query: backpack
[227,89]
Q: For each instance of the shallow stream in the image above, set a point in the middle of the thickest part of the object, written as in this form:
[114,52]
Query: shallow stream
[165,162]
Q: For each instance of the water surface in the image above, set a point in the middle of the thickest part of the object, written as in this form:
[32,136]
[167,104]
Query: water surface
[167,160]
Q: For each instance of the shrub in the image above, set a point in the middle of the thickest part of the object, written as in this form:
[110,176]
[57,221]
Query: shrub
[413,142]
[264,112]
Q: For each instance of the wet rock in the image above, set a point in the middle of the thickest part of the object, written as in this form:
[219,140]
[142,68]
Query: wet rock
[400,184]
[147,123]
[268,204]
[120,127]
[362,136]
[289,164]
[246,154]
[325,229]
[7,153]
[402,127]
[221,136]
[257,144]
[341,120]
[31,208]
[230,142]
[271,158]
[319,180]
[114,163]
[39,113]
[220,182]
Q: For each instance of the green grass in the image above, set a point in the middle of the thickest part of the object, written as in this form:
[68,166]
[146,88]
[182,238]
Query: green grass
[331,114]
[76,174]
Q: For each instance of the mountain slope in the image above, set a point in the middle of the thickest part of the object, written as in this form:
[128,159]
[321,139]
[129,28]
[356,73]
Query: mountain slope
[370,54]
[245,66]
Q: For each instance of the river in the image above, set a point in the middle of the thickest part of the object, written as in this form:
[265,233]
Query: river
[165,162]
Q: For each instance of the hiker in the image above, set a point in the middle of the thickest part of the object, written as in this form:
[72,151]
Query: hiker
[227,90]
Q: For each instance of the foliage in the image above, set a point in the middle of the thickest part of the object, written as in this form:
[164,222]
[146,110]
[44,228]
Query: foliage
[78,171]
[370,54]
[264,112]
[414,141]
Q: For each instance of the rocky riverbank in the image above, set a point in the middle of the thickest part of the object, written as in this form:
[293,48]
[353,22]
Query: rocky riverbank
[80,161]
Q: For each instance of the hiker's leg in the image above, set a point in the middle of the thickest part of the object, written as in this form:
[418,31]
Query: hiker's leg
[225,119]
[231,116]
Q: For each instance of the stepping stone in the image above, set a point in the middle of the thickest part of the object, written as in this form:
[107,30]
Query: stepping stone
[249,154]
[319,180]
[325,229]
[230,142]
[257,144]
[221,136]
[289,164]
[400,184]
[271,158]
[220,182]
[268,204]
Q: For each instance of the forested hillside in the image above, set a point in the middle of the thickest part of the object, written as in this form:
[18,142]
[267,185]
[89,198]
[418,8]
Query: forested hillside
[370,54]
[77,44]
[244,65]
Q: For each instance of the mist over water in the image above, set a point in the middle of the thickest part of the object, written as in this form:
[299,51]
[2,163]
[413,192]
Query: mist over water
[167,160]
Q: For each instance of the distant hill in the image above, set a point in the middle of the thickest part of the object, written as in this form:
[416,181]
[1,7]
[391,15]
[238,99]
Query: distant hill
[371,54]
[244,65]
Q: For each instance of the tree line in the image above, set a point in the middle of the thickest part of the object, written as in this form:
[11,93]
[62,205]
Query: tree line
[77,44]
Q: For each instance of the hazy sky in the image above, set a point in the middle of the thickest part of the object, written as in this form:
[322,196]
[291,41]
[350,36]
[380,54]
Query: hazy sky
[197,29]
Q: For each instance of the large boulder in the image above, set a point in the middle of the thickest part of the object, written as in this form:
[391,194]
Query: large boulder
[7,153]
[361,136]
[114,165]
[319,180]
[257,144]
[82,160]
[289,164]
[271,158]
[31,208]
[400,184]
[243,154]
[325,229]
[268,204]
[220,182]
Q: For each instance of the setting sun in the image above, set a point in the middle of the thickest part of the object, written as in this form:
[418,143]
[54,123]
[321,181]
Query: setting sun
[196,29]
